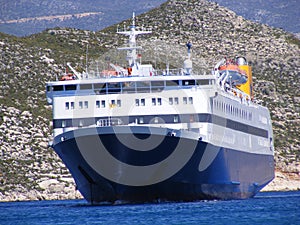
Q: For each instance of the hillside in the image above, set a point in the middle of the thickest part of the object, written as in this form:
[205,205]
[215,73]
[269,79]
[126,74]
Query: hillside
[276,13]
[30,170]
[26,17]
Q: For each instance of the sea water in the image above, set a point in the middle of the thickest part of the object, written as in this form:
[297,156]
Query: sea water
[265,208]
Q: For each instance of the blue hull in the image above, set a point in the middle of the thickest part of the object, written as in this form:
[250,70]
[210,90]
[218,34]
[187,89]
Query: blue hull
[209,172]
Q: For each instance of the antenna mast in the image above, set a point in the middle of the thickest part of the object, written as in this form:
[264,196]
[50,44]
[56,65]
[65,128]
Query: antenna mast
[131,49]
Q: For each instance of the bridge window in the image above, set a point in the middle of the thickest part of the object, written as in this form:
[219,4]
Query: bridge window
[100,88]
[85,86]
[172,82]
[157,85]
[58,88]
[70,87]
[114,87]
[143,87]
[191,100]
[188,82]
[203,82]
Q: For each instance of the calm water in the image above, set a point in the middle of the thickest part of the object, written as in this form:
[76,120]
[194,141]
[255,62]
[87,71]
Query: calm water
[265,208]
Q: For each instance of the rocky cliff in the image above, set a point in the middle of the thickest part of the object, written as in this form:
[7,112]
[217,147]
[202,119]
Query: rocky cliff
[31,170]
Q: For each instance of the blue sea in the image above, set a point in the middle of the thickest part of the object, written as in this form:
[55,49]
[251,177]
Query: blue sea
[265,208]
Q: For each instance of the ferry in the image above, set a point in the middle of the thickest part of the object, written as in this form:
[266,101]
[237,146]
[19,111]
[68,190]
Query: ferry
[139,134]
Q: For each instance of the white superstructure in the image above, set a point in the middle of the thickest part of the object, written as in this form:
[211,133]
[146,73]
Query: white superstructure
[138,133]
[205,105]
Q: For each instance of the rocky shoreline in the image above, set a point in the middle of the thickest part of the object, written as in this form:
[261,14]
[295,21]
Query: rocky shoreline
[53,189]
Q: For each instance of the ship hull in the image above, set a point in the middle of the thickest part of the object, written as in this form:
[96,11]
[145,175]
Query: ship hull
[107,166]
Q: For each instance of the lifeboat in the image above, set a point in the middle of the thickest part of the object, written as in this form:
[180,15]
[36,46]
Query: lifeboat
[237,73]
[67,77]
[234,75]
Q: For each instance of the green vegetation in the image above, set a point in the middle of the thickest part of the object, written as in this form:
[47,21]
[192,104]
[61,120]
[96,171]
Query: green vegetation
[292,39]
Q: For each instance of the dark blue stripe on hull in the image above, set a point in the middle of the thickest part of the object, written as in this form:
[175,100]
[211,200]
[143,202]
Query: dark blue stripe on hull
[231,175]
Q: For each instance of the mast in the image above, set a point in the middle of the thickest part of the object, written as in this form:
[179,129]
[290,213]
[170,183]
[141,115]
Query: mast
[131,49]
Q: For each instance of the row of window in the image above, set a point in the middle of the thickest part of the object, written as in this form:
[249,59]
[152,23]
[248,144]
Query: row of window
[132,86]
[158,101]
[117,103]
[99,104]
[81,105]
[230,109]
[162,119]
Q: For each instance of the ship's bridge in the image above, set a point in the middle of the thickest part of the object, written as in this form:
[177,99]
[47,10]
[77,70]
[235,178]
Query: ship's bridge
[125,85]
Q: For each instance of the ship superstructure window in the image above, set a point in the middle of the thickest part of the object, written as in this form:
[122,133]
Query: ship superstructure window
[67,105]
[176,119]
[80,104]
[114,88]
[172,82]
[184,100]
[153,101]
[232,110]
[141,119]
[97,104]
[157,86]
[204,82]
[72,105]
[119,103]
[170,101]
[188,82]
[86,104]
[103,104]
[159,101]
[85,86]
[192,118]
[70,87]
[137,102]
[176,101]
[100,88]
[142,102]
[58,88]
[191,100]
[143,86]
[128,87]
